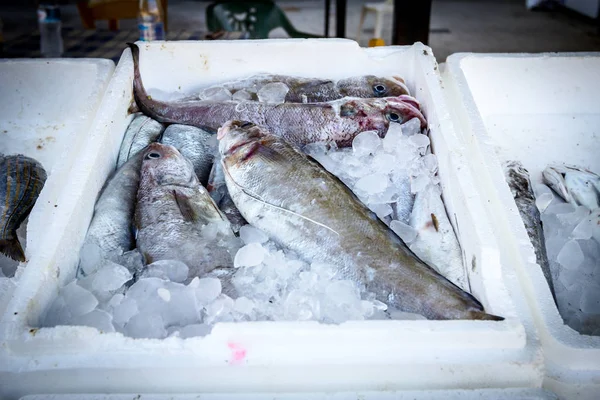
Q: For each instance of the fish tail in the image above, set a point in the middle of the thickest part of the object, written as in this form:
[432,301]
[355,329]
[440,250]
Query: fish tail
[145,104]
[12,248]
[480,315]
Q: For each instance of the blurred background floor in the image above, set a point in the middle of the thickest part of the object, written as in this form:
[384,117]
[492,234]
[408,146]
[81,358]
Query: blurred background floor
[456,26]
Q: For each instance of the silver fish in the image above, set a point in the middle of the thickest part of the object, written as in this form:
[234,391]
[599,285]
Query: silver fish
[21,181]
[172,211]
[195,144]
[111,228]
[519,183]
[436,242]
[337,121]
[281,191]
[219,193]
[314,90]
[142,131]
[576,185]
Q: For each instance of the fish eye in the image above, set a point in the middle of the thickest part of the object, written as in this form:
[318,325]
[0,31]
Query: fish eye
[153,156]
[379,89]
[394,117]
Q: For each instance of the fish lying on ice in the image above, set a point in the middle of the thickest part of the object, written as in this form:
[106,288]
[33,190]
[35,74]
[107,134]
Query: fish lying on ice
[302,206]
[21,181]
[172,211]
[197,145]
[575,185]
[314,90]
[337,121]
[519,183]
[142,131]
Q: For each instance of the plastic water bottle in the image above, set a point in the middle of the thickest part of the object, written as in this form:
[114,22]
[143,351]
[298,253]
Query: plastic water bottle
[51,43]
[149,21]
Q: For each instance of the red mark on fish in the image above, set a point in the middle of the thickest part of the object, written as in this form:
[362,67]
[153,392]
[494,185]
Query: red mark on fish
[238,353]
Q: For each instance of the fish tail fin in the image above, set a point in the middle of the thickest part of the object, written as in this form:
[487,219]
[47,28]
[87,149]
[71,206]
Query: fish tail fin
[12,248]
[480,315]
[144,102]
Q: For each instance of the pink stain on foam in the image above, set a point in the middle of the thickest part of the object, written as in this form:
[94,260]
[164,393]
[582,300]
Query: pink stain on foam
[238,353]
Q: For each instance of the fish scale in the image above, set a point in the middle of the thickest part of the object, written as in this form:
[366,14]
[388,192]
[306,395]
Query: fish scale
[21,181]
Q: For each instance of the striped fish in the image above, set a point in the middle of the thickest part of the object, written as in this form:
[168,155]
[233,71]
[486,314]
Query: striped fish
[21,181]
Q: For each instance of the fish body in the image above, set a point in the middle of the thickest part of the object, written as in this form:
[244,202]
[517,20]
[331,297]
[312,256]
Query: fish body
[305,208]
[112,228]
[314,90]
[519,183]
[219,193]
[575,185]
[337,121]
[172,210]
[142,131]
[195,144]
[436,243]
[21,181]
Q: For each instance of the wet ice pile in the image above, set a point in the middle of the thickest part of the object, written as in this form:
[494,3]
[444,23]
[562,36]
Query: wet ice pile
[266,283]
[274,92]
[573,245]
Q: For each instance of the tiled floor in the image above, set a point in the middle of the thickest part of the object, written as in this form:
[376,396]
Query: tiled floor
[457,25]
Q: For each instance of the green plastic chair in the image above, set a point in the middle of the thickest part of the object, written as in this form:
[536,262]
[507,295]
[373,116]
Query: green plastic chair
[258,18]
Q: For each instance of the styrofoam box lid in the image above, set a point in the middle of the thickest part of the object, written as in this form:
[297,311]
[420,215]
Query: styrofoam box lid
[538,109]
[492,394]
[279,356]
[46,109]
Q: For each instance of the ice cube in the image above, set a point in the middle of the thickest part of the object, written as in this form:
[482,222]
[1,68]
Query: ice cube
[219,309]
[194,330]
[382,162]
[244,305]
[78,300]
[406,232]
[430,162]
[164,294]
[242,95]
[412,127]
[590,299]
[342,292]
[301,306]
[250,234]
[393,138]
[584,229]
[366,143]
[90,257]
[215,94]
[274,92]
[570,255]
[110,277]
[419,183]
[560,208]
[250,255]
[419,140]
[148,326]
[382,210]
[373,183]
[98,319]
[173,270]
[124,311]
[58,314]
[207,289]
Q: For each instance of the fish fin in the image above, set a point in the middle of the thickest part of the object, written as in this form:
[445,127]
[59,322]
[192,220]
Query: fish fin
[12,248]
[186,209]
[480,315]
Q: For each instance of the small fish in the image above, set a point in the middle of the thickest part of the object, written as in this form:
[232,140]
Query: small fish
[337,121]
[436,242]
[141,131]
[299,204]
[519,183]
[219,193]
[112,228]
[195,144]
[314,90]
[172,211]
[575,185]
[21,181]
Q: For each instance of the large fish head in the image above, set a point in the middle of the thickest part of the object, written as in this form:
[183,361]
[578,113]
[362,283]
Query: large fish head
[163,165]
[576,185]
[377,114]
[372,86]
[238,137]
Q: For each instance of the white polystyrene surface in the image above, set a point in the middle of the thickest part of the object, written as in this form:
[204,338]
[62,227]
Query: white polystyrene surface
[483,394]
[46,109]
[537,109]
[282,356]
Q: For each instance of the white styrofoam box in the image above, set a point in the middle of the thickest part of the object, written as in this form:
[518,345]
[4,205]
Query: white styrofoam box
[477,394]
[46,108]
[276,356]
[538,109]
